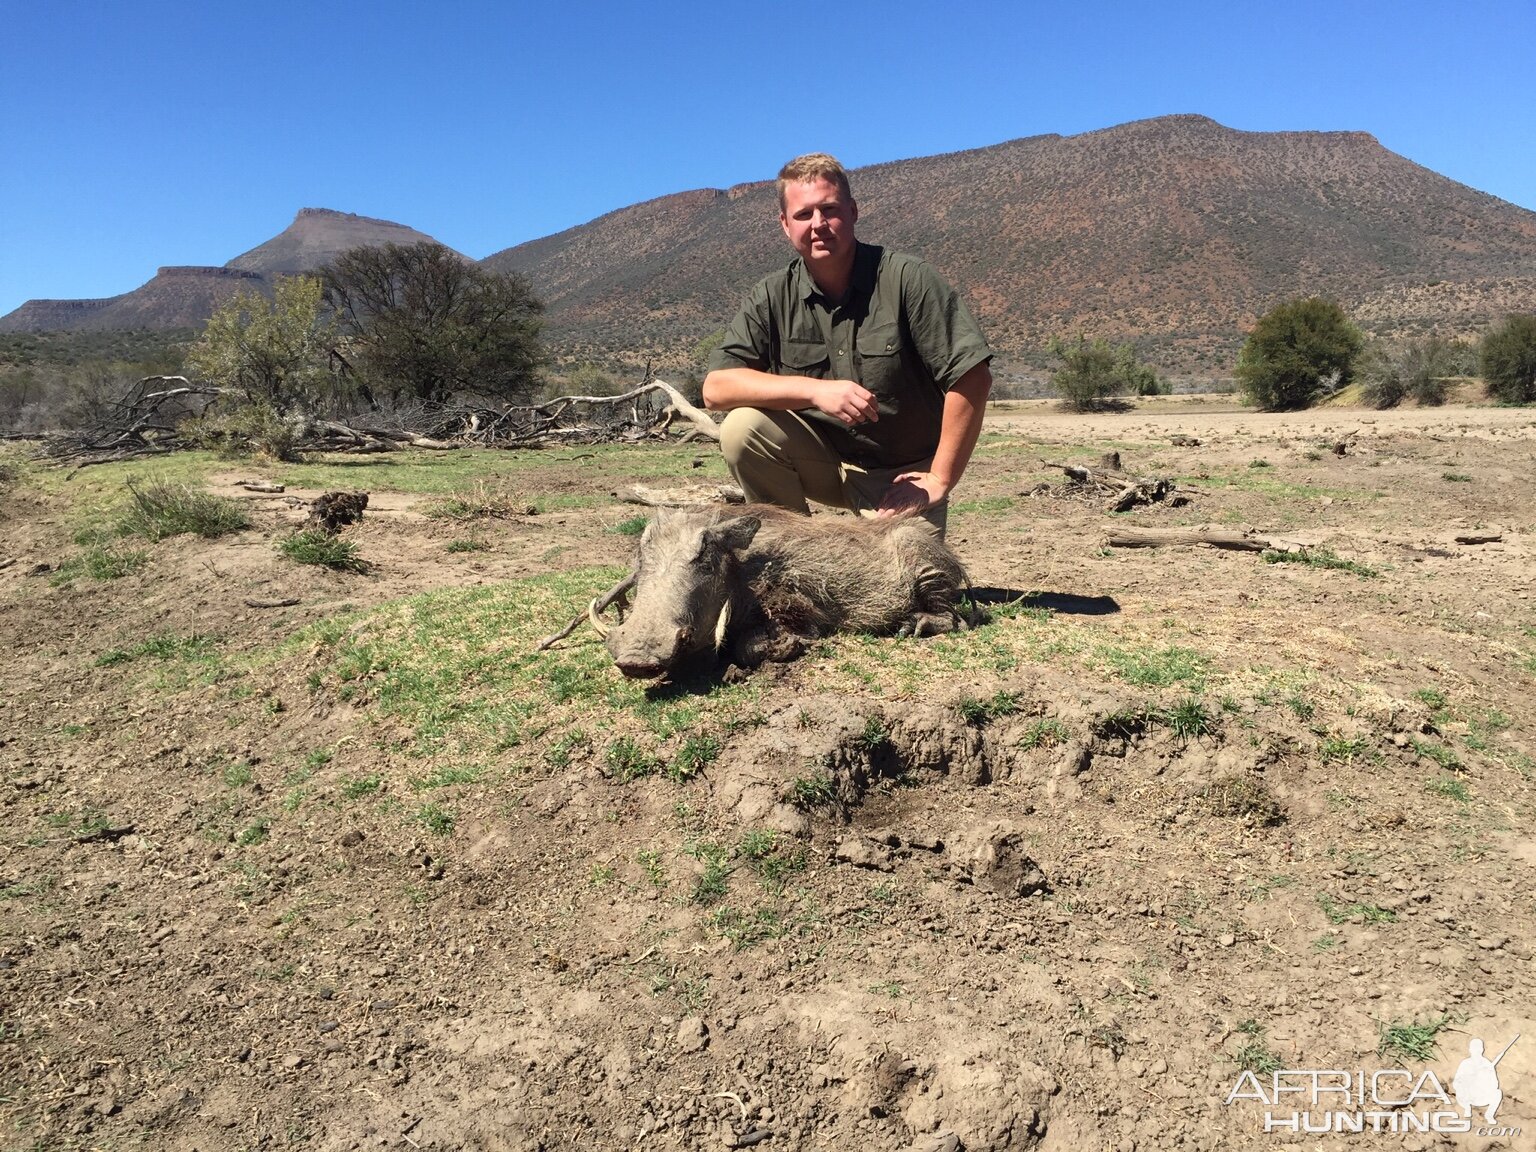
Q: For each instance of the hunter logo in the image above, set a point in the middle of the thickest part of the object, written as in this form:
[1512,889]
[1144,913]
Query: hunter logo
[1384,1100]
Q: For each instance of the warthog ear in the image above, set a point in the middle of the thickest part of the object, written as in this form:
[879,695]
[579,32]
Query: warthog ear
[733,534]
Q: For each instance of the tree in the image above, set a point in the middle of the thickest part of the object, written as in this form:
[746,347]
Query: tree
[1415,369]
[1298,351]
[422,323]
[1507,360]
[1091,372]
[277,352]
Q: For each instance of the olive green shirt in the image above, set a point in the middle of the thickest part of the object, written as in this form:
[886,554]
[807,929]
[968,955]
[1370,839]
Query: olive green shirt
[901,332]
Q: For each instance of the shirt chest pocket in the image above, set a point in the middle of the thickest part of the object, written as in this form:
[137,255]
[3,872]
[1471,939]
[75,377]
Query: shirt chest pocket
[880,359]
[804,358]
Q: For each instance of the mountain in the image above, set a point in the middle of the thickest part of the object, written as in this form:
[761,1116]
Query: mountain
[1175,233]
[316,237]
[184,297]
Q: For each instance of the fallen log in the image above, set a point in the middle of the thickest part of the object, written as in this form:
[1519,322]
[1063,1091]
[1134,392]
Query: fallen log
[689,496]
[1245,541]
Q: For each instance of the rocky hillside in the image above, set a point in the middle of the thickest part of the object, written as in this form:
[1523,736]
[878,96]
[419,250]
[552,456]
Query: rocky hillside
[1174,232]
[185,297]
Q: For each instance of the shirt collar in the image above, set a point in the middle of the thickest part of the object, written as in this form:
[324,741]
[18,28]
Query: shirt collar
[866,263]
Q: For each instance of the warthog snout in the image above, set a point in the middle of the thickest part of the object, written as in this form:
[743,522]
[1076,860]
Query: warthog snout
[644,654]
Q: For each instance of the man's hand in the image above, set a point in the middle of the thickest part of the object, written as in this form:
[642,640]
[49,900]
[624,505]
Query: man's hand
[846,402]
[911,493]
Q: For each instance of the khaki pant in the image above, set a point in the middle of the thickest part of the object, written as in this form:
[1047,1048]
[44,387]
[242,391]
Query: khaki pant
[778,458]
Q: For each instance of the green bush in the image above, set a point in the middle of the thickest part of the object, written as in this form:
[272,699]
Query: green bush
[1507,360]
[162,509]
[1092,372]
[247,429]
[315,547]
[1414,370]
[1298,352]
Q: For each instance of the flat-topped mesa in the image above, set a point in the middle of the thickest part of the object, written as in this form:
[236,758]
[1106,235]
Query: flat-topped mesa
[180,271]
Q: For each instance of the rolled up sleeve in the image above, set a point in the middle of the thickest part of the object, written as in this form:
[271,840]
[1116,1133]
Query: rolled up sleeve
[943,331]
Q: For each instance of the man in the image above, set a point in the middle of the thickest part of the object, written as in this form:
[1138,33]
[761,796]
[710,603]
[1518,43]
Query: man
[855,377]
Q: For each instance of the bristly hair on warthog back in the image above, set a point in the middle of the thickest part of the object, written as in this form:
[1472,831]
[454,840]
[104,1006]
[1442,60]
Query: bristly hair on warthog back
[758,583]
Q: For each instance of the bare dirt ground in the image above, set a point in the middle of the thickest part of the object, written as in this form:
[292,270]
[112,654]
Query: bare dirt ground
[365,872]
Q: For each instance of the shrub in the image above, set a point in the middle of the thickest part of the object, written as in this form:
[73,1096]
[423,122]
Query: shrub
[1414,370]
[316,547]
[162,509]
[1298,351]
[250,429]
[1093,371]
[1507,360]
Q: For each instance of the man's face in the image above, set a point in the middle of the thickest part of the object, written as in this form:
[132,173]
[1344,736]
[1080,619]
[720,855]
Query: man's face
[818,219]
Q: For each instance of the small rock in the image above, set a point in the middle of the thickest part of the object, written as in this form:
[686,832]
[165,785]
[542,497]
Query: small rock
[293,1061]
[1158,1067]
[328,1026]
[351,839]
[1226,940]
[862,854]
[692,1035]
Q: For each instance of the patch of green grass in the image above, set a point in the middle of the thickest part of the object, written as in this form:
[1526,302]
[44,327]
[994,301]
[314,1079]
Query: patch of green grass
[875,734]
[1301,707]
[999,704]
[480,500]
[1259,464]
[767,855]
[316,547]
[714,878]
[1432,698]
[1442,754]
[437,819]
[633,526]
[746,928]
[1448,787]
[1189,719]
[1157,667]
[1317,558]
[253,833]
[983,506]
[162,646]
[1046,732]
[1456,477]
[1409,1039]
[449,774]
[162,508]
[627,761]
[468,544]
[238,774]
[1337,913]
[601,875]
[649,860]
[697,753]
[1324,942]
[811,791]
[1255,1055]
[100,562]
[355,788]
[1342,749]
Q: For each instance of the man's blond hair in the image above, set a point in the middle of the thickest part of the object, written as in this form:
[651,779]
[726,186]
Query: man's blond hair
[814,166]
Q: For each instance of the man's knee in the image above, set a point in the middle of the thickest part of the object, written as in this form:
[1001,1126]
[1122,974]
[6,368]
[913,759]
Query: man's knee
[741,433]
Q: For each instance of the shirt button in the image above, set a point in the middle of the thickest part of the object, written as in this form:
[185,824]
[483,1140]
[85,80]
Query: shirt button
[839,351]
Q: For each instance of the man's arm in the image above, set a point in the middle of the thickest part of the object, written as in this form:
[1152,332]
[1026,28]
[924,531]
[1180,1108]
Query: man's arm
[964,406]
[727,388]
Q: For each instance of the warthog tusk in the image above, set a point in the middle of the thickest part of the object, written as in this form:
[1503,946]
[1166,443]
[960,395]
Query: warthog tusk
[597,624]
[721,625]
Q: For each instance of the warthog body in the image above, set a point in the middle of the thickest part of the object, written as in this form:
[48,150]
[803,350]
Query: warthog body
[758,583]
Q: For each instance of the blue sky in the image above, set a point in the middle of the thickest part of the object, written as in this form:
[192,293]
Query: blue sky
[135,134]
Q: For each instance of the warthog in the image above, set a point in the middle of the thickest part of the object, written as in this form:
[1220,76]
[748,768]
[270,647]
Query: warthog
[759,583]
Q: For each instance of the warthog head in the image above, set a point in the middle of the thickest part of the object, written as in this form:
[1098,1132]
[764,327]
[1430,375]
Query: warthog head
[685,581]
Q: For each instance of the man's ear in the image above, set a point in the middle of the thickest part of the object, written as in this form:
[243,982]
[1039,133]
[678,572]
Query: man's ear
[853,215]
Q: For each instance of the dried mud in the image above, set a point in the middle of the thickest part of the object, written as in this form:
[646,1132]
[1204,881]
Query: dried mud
[1057,902]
